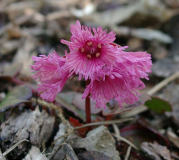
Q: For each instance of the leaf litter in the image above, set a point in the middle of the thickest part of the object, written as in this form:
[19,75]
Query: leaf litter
[30,28]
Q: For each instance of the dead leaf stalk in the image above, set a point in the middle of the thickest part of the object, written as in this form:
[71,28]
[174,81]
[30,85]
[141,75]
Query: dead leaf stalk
[128,153]
[14,146]
[118,136]
[105,122]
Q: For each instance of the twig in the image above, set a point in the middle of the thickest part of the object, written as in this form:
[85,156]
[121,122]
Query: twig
[93,124]
[125,140]
[163,83]
[70,154]
[39,156]
[128,153]
[116,130]
[64,136]
[14,146]
[1,156]
[60,114]
[106,122]
[118,136]
[152,91]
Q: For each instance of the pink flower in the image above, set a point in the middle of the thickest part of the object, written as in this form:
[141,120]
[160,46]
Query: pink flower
[122,82]
[114,73]
[89,52]
[103,91]
[51,74]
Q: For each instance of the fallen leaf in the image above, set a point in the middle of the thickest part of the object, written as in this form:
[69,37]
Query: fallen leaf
[9,46]
[65,103]
[173,138]
[59,154]
[80,103]
[14,32]
[170,93]
[165,67]
[17,95]
[147,34]
[24,54]
[67,96]
[34,153]
[11,70]
[99,139]
[93,155]
[75,123]
[140,132]
[156,151]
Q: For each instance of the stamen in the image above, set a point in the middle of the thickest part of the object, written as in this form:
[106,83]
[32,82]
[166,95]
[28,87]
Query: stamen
[82,49]
[101,78]
[97,54]
[89,43]
[89,56]
[99,45]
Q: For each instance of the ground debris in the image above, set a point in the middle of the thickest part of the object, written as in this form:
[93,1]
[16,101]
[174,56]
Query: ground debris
[147,34]
[99,140]
[173,138]
[35,154]
[57,151]
[155,151]
[93,155]
[1,156]
[35,27]
[36,126]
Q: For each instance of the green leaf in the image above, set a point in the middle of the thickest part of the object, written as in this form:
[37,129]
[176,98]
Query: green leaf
[158,105]
[17,95]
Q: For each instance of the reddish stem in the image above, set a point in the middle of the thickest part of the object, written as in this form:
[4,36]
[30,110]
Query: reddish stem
[87,105]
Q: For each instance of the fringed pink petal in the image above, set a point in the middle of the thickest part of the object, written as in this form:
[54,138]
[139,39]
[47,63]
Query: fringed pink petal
[117,88]
[51,74]
[80,64]
[136,63]
[51,88]
[102,37]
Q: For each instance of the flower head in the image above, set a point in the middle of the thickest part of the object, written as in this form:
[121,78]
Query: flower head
[89,52]
[51,74]
[122,82]
[113,73]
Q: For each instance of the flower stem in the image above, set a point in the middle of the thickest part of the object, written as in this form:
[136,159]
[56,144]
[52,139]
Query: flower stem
[88,106]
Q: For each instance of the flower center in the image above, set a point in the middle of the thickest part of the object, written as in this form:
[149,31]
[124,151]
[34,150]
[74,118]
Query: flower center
[91,49]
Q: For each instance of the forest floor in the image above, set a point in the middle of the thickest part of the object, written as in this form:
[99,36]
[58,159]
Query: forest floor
[33,129]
